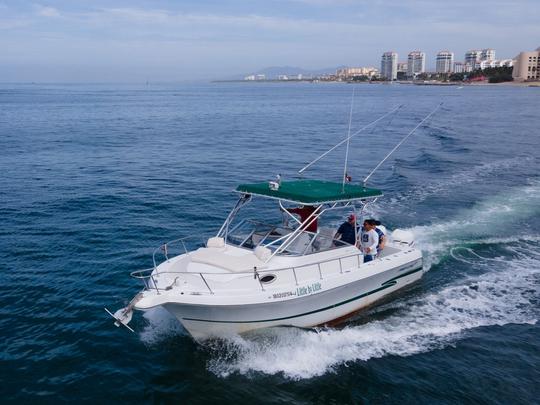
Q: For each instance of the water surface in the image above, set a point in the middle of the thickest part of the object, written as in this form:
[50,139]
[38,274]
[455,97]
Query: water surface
[94,177]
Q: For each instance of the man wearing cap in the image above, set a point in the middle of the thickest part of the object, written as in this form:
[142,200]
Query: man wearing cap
[347,231]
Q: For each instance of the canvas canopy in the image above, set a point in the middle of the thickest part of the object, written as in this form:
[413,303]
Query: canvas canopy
[311,192]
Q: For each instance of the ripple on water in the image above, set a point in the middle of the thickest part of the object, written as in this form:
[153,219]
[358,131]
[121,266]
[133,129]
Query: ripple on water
[95,177]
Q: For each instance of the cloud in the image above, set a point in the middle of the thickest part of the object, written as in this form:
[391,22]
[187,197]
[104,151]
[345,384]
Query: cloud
[223,25]
[44,11]
[236,37]
[137,15]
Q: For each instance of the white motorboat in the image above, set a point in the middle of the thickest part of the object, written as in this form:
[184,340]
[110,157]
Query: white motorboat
[257,274]
[254,275]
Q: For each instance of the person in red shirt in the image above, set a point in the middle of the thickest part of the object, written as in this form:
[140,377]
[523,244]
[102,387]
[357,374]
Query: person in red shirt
[304,213]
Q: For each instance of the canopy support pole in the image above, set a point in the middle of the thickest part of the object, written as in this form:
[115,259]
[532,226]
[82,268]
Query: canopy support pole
[244,199]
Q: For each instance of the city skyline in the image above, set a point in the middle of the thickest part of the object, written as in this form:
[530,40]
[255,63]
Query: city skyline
[162,40]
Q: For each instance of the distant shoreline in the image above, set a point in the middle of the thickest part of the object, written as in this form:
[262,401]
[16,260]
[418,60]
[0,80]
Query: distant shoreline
[427,83]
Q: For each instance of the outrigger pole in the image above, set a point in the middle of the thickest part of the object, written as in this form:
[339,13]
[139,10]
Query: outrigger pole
[348,142]
[400,143]
[302,170]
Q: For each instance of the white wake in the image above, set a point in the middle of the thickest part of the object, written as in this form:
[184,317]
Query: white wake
[421,324]
[503,290]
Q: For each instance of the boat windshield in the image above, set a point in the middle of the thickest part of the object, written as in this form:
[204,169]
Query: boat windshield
[250,233]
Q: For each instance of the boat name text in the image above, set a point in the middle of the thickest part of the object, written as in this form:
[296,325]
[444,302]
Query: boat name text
[300,291]
[308,289]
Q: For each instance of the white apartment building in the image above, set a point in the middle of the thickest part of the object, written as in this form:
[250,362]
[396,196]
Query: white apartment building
[487,55]
[389,65]
[402,67]
[460,67]
[475,56]
[506,62]
[472,57]
[357,71]
[445,62]
[527,66]
[416,63]
[494,63]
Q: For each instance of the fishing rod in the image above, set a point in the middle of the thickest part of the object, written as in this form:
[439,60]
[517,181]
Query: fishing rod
[348,143]
[302,170]
[400,143]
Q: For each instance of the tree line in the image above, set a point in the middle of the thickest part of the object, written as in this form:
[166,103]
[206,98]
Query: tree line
[493,75]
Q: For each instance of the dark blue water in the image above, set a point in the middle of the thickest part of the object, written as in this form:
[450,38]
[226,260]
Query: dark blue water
[94,177]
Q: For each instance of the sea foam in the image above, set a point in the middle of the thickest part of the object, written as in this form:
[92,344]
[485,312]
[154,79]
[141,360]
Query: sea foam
[418,324]
[503,293]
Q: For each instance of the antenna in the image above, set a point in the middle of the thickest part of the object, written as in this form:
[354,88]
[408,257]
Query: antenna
[400,143]
[303,169]
[348,142]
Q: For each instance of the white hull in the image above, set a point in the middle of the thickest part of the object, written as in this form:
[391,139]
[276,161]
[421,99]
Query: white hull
[213,292]
[325,306]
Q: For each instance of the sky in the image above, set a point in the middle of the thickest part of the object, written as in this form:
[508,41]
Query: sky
[165,40]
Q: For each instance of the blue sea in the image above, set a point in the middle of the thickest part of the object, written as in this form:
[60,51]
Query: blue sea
[95,176]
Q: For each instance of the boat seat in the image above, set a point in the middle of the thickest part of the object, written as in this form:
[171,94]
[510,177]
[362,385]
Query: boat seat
[299,244]
[221,259]
[215,242]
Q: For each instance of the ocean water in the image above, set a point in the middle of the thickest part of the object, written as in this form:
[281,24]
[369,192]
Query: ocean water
[94,177]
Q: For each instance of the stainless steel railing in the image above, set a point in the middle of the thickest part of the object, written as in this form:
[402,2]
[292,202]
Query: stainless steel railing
[147,275]
[165,248]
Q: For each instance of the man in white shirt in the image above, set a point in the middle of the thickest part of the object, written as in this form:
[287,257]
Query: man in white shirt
[369,239]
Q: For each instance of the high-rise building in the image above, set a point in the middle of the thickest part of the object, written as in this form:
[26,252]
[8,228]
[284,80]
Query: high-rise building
[389,65]
[445,62]
[487,55]
[402,70]
[527,66]
[472,57]
[475,56]
[416,63]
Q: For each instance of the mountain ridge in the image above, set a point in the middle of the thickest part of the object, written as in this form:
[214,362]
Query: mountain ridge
[272,72]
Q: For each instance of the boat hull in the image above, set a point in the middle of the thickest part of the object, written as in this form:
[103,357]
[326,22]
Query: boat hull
[324,307]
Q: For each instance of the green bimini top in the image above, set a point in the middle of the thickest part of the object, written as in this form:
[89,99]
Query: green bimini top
[311,192]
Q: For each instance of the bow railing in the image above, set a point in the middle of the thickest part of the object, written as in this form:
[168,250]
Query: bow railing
[296,274]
